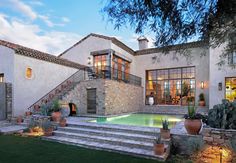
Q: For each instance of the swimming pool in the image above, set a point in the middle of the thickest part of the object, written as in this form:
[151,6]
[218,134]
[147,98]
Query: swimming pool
[140,119]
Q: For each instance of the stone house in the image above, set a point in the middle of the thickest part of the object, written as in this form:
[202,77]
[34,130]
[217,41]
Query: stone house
[112,78]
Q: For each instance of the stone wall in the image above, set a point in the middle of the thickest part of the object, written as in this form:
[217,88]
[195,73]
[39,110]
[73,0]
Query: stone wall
[219,137]
[9,97]
[122,98]
[112,97]
[5,101]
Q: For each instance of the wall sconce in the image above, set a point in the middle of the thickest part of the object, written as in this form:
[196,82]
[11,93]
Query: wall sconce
[202,84]
[1,78]
[89,60]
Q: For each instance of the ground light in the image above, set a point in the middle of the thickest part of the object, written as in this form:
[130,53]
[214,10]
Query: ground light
[214,154]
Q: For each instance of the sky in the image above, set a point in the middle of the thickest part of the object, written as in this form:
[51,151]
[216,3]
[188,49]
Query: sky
[53,26]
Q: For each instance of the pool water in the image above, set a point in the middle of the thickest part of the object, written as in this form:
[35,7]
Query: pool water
[149,120]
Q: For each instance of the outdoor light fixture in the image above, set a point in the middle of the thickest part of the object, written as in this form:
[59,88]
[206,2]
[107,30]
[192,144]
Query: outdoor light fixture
[89,60]
[1,78]
[202,85]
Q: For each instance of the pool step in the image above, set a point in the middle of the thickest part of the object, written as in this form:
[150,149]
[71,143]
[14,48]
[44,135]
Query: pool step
[108,140]
[112,148]
[151,131]
[132,140]
[112,134]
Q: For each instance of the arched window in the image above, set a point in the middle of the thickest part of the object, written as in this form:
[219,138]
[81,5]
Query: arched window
[28,73]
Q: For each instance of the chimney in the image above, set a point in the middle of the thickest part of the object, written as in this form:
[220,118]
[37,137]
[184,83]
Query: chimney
[142,42]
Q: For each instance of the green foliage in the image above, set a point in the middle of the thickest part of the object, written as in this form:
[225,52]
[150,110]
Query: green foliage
[223,115]
[192,113]
[32,123]
[201,97]
[45,109]
[55,106]
[158,140]
[165,124]
[46,124]
[178,159]
[195,144]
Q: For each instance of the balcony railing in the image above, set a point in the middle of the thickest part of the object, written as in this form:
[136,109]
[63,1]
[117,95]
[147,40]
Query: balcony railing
[107,72]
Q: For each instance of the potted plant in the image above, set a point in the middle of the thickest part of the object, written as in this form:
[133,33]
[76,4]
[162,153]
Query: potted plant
[19,119]
[159,147]
[190,100]
[201,100]
[193,122]
[165,131]
[56,114]
[47,128]
[62,122]
[28,113]
[32,124]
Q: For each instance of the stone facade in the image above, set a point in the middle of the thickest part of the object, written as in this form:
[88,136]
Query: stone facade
[112,97]
[219,137]
[122,98]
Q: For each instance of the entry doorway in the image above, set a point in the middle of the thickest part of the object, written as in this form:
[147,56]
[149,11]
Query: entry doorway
[91,101]
[230,88]
[73,109]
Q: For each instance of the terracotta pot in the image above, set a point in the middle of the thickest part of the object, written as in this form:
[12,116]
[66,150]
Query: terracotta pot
[19,120]
[201,103]
[159,149]
[28,113]
[165,134]
[31,130]
[62,123]
[193,126]
[56,116]
[48,132]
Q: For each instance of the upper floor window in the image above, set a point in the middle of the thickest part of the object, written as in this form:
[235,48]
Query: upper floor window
[232,58]
[28,73]
[1,78]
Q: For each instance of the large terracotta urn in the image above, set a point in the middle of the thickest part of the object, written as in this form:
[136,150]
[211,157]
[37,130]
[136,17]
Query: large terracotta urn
[193,126]
[56,116]
[159,149]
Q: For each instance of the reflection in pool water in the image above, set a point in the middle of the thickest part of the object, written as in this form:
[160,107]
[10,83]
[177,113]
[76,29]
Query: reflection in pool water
[149,120]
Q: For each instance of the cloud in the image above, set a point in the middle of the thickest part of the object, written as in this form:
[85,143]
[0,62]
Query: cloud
[36,3]
[24,8]
[33,36]
[65,19]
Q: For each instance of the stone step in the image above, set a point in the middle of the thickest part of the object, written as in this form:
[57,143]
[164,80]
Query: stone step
[129,136]
[107,140]
[108,147]
[151,131]
[8,130]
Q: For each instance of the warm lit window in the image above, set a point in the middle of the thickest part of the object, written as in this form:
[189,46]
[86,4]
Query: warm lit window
[1,78]
[28,73]
[171,86]
[230,88]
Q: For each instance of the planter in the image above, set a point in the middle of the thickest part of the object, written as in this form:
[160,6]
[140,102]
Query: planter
[193,126]
[31,130]
[28,113]
[48,132]
[62,123]
[56,116]
[165,134]
[151,100]
[201,103]
[19,119]
[159,149]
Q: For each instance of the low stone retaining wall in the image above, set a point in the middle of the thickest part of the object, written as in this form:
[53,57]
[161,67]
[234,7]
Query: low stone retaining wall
[219,137]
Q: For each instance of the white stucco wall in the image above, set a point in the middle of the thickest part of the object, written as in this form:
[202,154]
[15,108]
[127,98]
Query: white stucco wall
[46,76]
[6,63]
[81,52]
[145,62]
[218,76]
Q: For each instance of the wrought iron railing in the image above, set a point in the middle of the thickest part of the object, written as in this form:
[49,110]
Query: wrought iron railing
[107,72]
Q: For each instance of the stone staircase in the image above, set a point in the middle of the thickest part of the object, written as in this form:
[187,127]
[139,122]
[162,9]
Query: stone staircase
[136,141]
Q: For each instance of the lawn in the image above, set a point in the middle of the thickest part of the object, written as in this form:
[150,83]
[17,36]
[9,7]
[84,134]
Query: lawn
[15,149]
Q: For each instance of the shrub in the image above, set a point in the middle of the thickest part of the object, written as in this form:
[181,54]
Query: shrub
[223,115]
[201,97]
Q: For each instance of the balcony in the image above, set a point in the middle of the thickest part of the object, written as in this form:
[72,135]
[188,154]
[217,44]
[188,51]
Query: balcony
[107,72]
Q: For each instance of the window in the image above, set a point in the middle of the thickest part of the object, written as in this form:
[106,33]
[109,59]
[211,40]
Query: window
[28,73]
[230,88]
[232,58]
[101,63]
[171,86]
[120,68]
[1,78]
